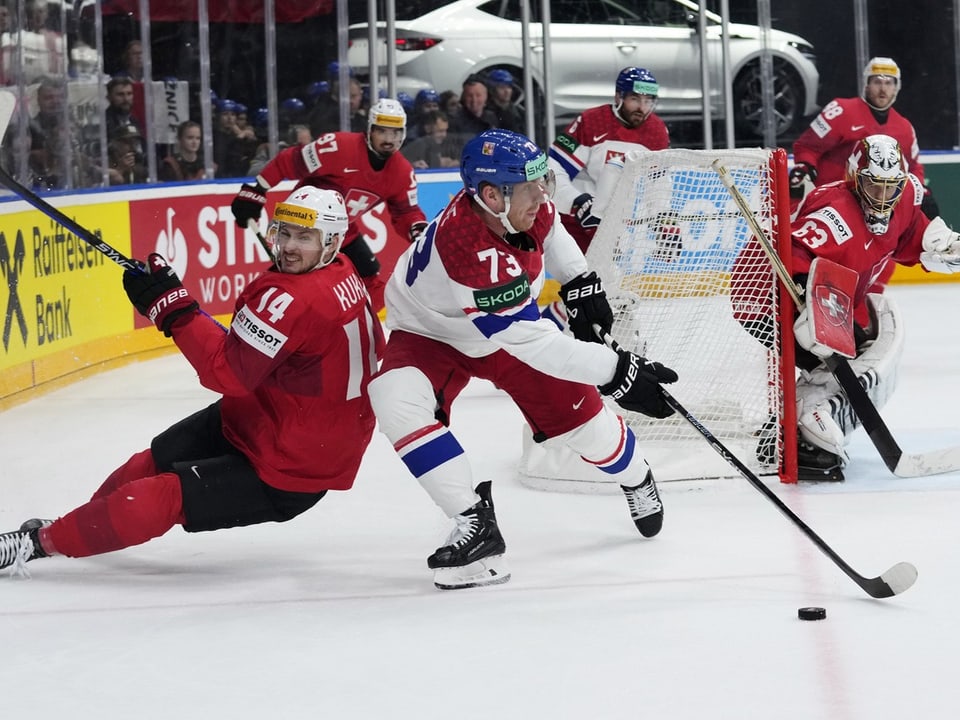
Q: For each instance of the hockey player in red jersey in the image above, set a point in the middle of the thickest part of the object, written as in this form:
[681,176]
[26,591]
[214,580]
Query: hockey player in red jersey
[822,150]
[366,168]
[597,138]
[461,304]
[294,418]
[862,223]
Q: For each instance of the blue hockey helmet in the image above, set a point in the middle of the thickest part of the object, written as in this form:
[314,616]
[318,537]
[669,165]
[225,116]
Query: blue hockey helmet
[637,80]
[501,158]
[293,105]
[405,100]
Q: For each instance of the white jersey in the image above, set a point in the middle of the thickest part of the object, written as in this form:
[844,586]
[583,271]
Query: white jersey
[462,285]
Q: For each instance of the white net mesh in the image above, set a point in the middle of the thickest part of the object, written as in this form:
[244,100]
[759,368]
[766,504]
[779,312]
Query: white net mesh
[687,281]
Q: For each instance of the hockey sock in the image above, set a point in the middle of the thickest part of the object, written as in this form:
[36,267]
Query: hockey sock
[141,510]
[139,465]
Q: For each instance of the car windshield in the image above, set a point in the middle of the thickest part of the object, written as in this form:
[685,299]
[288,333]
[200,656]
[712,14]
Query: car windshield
[600,12]
[412,9]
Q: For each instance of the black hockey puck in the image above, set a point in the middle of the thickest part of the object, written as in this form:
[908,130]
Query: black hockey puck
[811,613]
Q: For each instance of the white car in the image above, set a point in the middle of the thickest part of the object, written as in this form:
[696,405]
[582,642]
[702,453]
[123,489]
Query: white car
[440,43]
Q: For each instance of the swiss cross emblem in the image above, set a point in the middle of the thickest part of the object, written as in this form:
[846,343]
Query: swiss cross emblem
[835,306]
[359,201]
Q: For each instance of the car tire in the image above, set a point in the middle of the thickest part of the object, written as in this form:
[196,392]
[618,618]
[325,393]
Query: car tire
[788,93]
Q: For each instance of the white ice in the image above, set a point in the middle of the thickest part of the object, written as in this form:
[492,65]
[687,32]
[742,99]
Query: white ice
[334,614]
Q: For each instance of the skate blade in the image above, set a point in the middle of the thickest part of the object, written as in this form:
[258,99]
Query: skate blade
[490,570]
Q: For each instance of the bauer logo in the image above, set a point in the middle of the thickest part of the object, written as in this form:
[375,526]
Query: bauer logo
[256,333]
[505,296]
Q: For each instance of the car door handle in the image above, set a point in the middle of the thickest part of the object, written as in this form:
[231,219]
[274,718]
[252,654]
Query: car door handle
[626,46]
[536,47]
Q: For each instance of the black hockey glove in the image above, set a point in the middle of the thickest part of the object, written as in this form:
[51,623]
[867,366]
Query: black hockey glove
[362,257]
[798,174]
[636,385]
[248,204]
[158,294]
[586,303]
[581,211]
[416,230]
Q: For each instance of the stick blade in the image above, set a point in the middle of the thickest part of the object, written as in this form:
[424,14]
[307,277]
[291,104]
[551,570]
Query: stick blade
[894,581]
[935,462]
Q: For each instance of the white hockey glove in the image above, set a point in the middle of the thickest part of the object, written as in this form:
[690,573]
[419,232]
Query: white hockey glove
[941,248]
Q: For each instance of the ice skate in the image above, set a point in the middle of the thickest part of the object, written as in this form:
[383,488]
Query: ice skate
[645,506]
[473,553]
[21,546]
[814,464]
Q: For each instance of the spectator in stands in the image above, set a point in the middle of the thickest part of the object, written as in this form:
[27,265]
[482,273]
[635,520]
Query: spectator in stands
[119,110]
[186,161]
[473,116]
[436,149]
[125,168]
[449,102]
[501,102]
[296,135]
[426,102]
[49,161]
[233,147]
[131,61]
[325,117]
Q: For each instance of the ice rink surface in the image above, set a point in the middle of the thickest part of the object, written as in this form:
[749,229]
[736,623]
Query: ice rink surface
[334,614]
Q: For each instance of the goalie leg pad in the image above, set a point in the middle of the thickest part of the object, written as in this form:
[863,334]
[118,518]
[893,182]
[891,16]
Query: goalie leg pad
[825,415]
[492,570]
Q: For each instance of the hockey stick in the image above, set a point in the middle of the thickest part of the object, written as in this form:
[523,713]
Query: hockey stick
[894,581]
[899,463]
[7,105]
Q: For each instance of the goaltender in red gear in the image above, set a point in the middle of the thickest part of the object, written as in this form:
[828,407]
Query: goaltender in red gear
[363,167]
[294,418]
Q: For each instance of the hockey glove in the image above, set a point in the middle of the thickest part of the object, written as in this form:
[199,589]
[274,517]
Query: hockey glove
[941,248]
[636,385]
[158,294]
[416,230]
[581,211]
[586,303]
[362,257]
[799,174]
[248,204]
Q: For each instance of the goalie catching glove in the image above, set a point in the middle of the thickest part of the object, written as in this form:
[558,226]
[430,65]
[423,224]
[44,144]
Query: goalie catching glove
[636,385]
[586,303]
[158,294]
[800,174]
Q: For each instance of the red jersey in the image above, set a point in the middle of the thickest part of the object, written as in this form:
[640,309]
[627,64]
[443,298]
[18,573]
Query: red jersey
[827,143]
[293,370]
[830,224]
[339,161]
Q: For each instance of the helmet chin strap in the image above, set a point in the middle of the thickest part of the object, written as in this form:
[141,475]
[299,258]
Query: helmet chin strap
[501,216]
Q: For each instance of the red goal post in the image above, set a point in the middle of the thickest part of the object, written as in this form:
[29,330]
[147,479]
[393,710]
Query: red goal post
[691,287]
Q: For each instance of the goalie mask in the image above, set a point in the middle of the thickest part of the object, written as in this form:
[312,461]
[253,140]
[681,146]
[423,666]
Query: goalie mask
[504,159]
[881,96]
[307,229]
[878,173]
[389,114]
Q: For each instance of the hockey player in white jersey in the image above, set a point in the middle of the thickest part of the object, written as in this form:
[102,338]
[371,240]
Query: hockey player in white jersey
[461,303]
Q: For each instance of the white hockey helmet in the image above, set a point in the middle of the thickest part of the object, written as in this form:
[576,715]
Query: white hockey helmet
[388,113]
[882,67]
[878,173]
[312,207]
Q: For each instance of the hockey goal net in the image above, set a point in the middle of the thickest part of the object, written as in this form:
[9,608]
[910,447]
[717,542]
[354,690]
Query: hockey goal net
[692,288]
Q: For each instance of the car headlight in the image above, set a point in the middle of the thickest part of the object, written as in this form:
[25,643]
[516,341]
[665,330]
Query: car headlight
[805,49]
